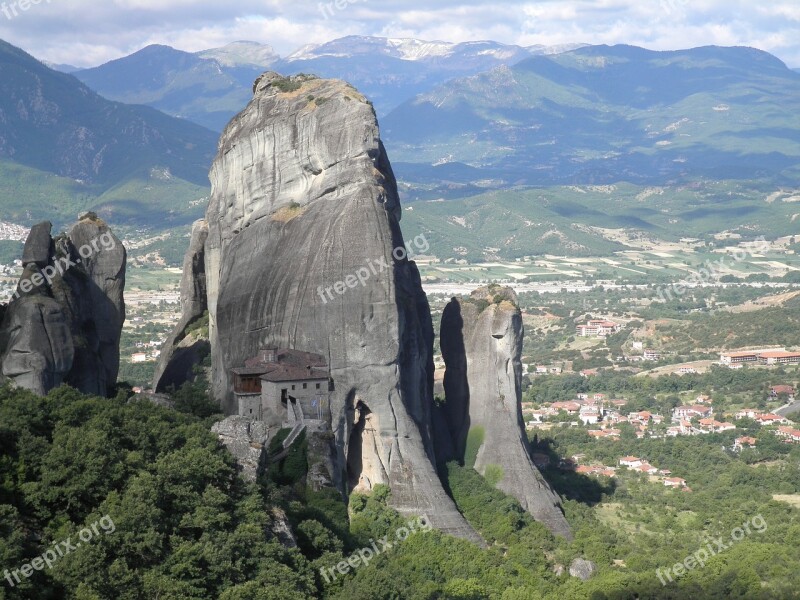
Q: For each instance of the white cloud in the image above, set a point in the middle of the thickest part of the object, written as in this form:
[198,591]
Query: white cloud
[87,32]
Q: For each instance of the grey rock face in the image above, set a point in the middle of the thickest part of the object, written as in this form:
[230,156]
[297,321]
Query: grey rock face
[481,340]
[182,352]
[582,569]
[38,245]
[38,343]
[65,324]
[96,305]
[282,529]
[304,198]
[246,440]
[322,471]
[162,400]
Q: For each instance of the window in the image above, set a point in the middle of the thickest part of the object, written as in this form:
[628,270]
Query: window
[317,386]
[305,386]
[293,388]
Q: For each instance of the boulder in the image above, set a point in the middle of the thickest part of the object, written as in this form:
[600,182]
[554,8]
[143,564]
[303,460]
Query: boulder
[582,569]
[246,440]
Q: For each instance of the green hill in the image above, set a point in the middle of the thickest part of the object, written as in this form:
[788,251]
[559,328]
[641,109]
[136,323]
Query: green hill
[64,149]
[602,114]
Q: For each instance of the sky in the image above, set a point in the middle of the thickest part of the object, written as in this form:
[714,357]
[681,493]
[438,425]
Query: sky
[90,32]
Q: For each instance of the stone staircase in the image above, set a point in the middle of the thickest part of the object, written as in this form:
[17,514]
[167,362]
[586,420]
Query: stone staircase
[293,435]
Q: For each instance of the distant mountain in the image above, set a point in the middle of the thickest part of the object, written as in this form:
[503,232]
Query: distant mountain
[178,83]
[242,54]
[63,144]
[210,87]
[390,71]
[603,114]
[61,68]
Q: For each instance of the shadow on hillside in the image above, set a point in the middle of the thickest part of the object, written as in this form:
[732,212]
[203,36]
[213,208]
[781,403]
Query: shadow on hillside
[559,472]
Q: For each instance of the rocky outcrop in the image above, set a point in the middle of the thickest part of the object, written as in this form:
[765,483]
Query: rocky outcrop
[481,340]
[65,321]
[246,440]
[162,400]
[282,529]
[582,569]
[303,232]
[322,471]
[38,343]
[188,345]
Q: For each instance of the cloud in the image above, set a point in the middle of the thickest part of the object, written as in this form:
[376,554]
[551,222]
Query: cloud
[87,32]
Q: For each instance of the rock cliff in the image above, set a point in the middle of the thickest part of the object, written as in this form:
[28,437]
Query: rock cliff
[188,345]
[247,441]
[302,252]
[65,321]
[481,340]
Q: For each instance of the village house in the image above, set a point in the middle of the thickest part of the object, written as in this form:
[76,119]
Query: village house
[736,358]
[788,433]
[770,419]
[779,357]
[691,411]
[597,328]
[650,354]
[674,482]
[764,357]
[744,442]
[590,415]
[711,425]
[749,413]
[630,461]
[778,390]
[596,470]
[571,408]
[283,387]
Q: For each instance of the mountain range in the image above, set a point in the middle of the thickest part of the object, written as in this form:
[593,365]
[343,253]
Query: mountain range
[211,86]
[720,120]
[63,144]
[602,114]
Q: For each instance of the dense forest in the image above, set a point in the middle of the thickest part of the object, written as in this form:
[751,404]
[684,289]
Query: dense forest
[185,526]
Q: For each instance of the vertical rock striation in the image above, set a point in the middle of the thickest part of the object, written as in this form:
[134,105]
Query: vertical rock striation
[481,340]
[303,223]
[65,322]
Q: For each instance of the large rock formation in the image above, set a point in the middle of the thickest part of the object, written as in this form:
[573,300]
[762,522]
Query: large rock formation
[187,346]
[481,340]
[302,252]
[65,321]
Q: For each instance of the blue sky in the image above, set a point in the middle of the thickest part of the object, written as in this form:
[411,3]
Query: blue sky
[90,32]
